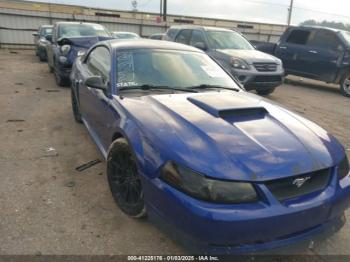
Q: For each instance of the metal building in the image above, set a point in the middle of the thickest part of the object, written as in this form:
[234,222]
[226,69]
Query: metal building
[20,19]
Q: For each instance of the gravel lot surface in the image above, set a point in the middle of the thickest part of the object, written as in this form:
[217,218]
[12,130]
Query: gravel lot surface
[47,207]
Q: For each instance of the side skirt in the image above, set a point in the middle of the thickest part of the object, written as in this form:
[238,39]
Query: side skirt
[94,137]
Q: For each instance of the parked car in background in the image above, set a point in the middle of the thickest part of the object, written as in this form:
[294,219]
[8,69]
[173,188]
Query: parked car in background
[68,38]
[315,52]
[254,69]
[125,35]
[40,41]
[158,36]
[184,143]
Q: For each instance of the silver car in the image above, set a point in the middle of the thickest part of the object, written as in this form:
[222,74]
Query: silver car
[254,69]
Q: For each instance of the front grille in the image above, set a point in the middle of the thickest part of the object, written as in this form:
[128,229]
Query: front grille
[265,67]
[267,79]
[291,187]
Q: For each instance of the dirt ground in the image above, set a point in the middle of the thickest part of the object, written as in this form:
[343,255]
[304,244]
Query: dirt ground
[47,207]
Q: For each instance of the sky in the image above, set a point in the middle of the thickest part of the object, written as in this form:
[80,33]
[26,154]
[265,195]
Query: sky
[269,11]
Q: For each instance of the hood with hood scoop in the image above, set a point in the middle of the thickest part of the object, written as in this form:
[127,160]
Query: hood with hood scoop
[233,135]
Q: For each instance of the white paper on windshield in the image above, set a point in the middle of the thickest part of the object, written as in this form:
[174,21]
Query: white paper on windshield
[125,69]
[213,72]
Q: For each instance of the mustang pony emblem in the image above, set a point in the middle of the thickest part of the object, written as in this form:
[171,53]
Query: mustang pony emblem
[300,181]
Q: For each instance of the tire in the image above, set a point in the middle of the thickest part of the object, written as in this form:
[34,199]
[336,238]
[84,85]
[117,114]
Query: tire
[75,108]
[60,80]
[345,84]
[265,91]
[42,56]
[124,180]
[50,68]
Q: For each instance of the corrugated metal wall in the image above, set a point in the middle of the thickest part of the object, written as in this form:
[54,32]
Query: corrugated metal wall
[17,26]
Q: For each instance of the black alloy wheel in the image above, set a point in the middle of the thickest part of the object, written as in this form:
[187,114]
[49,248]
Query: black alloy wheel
[124,180]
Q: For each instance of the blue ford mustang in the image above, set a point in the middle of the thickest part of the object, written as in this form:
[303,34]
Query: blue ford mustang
[228,169]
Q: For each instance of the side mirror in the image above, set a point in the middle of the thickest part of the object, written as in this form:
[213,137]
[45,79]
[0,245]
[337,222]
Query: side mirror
[201,46]
[48,38]
[96,82]
[35,34]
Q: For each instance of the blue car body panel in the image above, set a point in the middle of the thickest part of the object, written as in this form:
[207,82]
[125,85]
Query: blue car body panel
[207,132]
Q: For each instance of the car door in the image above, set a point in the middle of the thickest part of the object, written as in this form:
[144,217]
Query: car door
[324,50]
[292,50]
[94,103]
[183,36]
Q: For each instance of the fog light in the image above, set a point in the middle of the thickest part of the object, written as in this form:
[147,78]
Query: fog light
[63,59]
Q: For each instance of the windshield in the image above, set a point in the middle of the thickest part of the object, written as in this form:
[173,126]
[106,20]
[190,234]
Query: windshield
[177,69]
[46,31]
[126,36]
[346,36]
[228,40]
[78,30]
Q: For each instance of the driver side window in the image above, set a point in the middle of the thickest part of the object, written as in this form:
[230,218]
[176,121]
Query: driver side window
[99,63]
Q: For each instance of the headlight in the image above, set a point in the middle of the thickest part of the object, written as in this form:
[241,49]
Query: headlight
[239,63]
[343,168]
[278,61]
[81,52]
[42,40]
[201,187]
[65,49]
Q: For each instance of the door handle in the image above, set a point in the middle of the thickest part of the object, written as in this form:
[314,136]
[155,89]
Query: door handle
[283,47]
[313,52]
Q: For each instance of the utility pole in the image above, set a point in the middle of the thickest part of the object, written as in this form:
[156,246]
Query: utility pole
[164,10]
[290,10]
[50,13]
[161,8]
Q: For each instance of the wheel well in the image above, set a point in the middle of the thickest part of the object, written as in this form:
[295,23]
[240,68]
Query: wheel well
[341,75]
[116,136]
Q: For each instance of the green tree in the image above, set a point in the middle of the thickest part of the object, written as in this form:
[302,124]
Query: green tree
[332,24]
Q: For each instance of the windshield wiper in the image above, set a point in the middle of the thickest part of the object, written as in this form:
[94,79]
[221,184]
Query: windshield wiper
[205,86]
[152,87]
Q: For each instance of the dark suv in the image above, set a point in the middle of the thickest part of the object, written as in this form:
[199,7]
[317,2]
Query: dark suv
[315,52]
[254,69]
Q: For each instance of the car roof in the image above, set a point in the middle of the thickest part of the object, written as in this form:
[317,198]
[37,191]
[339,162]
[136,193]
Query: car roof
[205,28]
[148,44]
[74,23]
[124,32]
[319,27]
